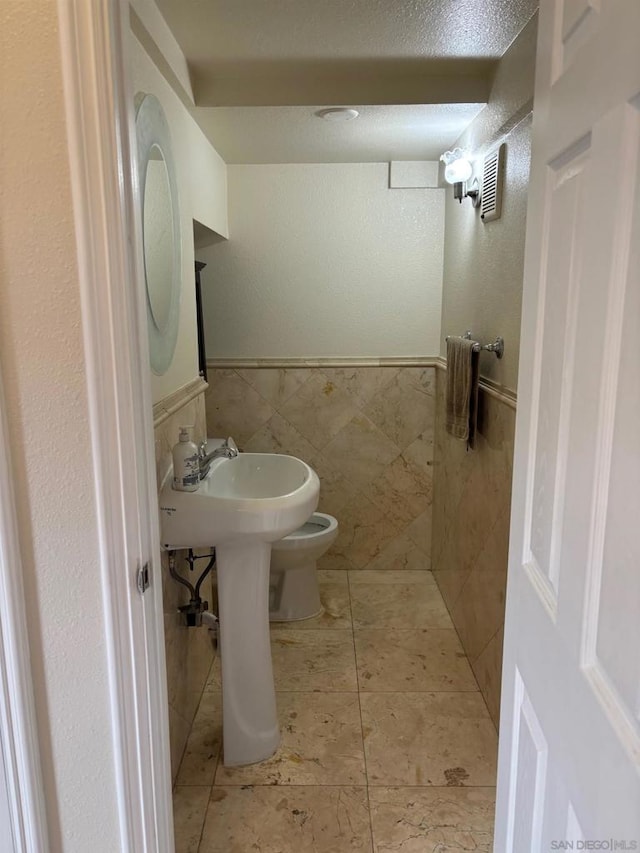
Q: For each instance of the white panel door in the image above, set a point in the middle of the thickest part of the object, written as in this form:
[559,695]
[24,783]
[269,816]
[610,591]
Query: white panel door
[569,766]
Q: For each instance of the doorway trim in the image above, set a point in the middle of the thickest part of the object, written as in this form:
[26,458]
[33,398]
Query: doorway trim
[101,138]
[23,820]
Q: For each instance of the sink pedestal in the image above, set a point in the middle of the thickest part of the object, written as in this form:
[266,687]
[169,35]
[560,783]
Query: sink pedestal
[249,715]
[241,506]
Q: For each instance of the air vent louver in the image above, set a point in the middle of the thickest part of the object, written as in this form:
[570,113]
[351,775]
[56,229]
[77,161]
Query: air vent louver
[492,185]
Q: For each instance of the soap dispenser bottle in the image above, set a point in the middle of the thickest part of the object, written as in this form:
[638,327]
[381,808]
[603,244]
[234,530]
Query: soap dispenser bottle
[186,463]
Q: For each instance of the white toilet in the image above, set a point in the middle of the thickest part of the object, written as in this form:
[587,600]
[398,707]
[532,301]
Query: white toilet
[293,582]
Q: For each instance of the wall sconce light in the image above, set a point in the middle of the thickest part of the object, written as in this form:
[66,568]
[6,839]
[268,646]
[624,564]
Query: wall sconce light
[457,171]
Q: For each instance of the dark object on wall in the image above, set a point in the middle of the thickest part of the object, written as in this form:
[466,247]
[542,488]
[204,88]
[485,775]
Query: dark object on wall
[202,355]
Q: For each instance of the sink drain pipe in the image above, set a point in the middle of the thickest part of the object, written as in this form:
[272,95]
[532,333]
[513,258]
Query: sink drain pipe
[196,611]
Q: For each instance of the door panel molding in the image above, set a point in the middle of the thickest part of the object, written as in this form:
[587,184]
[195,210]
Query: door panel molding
[529,768]
[571,683]
[612,343]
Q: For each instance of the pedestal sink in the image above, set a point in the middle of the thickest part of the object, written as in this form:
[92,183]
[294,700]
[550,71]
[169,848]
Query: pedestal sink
[241,507]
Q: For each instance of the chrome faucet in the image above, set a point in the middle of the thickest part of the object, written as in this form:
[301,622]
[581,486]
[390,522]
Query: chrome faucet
[228,449]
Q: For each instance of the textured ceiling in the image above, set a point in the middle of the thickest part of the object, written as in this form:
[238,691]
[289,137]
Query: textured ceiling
[247,30]
[296,134]
[259,66]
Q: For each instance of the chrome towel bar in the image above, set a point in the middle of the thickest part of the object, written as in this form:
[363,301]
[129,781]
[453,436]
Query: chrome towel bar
[497,346]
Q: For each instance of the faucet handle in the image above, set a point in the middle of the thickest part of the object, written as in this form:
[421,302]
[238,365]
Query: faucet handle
[202,448]
[230,443]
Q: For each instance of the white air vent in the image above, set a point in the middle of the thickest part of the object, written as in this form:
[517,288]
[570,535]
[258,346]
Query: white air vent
[492,185]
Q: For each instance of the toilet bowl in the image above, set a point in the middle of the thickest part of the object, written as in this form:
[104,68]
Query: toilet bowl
[293,582]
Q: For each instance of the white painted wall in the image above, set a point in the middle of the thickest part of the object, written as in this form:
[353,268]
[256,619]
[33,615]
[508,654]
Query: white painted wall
[152,30]
[202,188]
[325,260]
[483,264]
[42,363]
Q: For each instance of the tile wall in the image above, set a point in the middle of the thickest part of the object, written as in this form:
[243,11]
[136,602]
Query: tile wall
[188,650]
[367,431]
[472,499]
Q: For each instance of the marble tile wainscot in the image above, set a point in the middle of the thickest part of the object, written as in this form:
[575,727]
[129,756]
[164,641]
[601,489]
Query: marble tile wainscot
[471,511]
[366,426]
[188,650]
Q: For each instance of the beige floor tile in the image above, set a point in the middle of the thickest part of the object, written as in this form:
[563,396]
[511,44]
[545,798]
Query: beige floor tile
[428,739]
[336,607]
[391,576]
[336,614]
[287,820]
[313,660]
[432,820]
[321,744]
[398,605]
[204,743]
[189,810]
[427,659]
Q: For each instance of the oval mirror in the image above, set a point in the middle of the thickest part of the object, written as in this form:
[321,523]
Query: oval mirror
[161,230]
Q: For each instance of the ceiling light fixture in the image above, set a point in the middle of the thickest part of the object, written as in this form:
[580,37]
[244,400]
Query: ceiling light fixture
[457,171]
[338,114]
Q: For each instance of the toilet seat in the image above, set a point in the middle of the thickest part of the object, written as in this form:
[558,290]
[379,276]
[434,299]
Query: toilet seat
[319,525]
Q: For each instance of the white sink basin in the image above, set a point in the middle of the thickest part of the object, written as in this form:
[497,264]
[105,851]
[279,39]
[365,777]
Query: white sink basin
[264,496]
[241,507]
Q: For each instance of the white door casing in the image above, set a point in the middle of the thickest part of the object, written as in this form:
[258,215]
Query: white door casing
[23,820]
[101,141]
[569,763]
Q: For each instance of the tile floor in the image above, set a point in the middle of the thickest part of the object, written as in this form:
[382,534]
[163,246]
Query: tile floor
[386,742]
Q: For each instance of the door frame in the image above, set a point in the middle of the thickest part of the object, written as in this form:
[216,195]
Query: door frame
[101,142]
[23,820]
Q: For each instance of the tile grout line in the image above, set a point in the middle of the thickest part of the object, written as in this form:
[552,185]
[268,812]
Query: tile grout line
[321,450]
[364,751]
[367,785]
[204,818]
[475,678]
[468,659]
[174,785]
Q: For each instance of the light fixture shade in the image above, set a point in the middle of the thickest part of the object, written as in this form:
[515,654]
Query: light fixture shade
[458,169]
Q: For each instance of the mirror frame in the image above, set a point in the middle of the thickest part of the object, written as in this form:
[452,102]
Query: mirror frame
[152,130]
